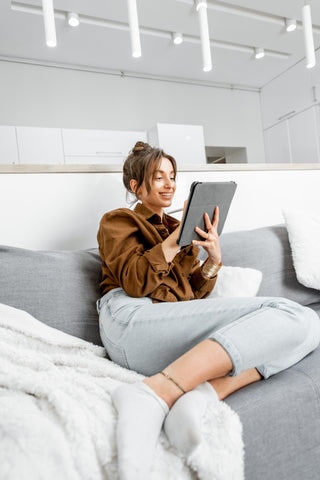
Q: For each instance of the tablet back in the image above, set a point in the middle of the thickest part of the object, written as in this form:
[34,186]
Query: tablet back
[203,198]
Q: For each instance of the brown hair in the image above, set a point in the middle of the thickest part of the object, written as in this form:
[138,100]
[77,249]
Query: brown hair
[141,162]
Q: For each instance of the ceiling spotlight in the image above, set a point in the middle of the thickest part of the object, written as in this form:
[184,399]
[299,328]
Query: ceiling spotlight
[73,19]
[308,36]
[201,8]
[290,24]
[201,3]
[49,23]
[177,38]
[134,28]
[259,53]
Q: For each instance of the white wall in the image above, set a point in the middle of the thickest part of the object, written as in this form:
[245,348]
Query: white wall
[42,96]
[62,211]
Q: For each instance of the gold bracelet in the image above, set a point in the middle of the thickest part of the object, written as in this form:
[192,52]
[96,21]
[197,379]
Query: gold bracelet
[210,270]
[172,380]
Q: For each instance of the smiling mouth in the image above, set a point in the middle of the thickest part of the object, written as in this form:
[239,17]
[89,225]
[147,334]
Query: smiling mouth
[166,195]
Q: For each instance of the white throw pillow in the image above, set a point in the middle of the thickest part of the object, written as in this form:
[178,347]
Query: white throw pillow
[237,282]
[304,237]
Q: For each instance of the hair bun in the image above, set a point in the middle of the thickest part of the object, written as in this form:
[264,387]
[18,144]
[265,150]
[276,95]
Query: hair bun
[140,146]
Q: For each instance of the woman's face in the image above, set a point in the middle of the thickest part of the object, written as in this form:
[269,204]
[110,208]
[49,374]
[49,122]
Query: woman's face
[163,187]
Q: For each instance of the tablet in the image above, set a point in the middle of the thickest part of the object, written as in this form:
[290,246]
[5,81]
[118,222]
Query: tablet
[204,197]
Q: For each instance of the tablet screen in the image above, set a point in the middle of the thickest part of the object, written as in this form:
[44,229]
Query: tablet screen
[203,198]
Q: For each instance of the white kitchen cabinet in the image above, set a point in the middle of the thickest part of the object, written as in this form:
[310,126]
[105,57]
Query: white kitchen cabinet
[315,79]
[277,143]
[304,136]
[8,145]
[99,146]
[294,140]
[184,142]
[40,145]
[94,159]
[286,95]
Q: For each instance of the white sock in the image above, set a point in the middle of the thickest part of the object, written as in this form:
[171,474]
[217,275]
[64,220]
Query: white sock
[140,417]
[183,423]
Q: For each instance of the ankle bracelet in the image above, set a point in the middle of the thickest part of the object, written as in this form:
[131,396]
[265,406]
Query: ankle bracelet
[172,380]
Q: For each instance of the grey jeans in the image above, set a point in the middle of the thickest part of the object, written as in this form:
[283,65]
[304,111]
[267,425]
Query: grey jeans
[268,333]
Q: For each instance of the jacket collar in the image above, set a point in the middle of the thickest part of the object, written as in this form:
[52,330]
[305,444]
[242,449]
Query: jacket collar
[154,218]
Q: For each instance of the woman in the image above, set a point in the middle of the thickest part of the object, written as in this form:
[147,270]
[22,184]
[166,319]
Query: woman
[155,319]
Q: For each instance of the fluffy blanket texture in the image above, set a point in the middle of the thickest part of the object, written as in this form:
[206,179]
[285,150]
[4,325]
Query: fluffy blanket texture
[304,236]
[57,419]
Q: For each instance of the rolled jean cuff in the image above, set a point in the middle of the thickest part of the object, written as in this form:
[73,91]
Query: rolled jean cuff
[263,371]
[233,353]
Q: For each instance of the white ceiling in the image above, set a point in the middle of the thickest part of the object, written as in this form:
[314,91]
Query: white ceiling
[242,23]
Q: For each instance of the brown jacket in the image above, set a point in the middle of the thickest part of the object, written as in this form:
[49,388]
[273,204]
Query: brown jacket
[132,258]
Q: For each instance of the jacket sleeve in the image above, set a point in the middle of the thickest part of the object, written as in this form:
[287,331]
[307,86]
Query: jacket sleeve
[201,285]
[137,271]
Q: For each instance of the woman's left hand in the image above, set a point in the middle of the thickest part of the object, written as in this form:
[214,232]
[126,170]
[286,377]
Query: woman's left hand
[211,242]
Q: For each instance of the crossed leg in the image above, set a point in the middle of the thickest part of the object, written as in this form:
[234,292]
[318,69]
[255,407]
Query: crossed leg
[273,337]
[202,371]
[207,361]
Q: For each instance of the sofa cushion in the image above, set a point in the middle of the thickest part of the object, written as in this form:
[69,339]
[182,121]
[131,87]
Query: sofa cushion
[267,249]
[281,423]
[315,307]
[304,236]
[59,288]
[236,282]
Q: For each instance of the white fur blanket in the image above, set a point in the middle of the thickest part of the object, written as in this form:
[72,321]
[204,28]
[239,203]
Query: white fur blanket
[57,420]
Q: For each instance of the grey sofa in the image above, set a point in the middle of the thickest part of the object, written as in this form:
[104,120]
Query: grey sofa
[280,416]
